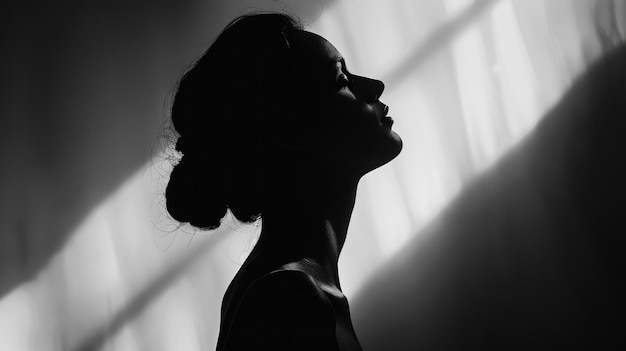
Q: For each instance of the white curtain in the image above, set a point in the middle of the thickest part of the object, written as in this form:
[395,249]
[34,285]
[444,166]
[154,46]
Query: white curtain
[465,80]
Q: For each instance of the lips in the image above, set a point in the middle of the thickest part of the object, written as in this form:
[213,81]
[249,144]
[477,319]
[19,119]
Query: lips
[387,120]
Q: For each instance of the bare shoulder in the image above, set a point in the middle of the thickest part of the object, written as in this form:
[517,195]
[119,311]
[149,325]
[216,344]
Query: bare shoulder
[284,310]
[288,287]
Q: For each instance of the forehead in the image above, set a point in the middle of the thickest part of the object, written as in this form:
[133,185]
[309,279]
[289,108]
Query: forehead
[313,51]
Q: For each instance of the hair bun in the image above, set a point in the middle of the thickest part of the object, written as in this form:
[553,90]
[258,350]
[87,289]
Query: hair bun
[195,194]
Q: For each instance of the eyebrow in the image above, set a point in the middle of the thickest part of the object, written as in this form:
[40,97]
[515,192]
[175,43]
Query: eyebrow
[337,59]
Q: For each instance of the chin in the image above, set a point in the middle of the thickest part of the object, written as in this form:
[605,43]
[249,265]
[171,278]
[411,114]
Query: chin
[393,147]
[398,143]
[384,153]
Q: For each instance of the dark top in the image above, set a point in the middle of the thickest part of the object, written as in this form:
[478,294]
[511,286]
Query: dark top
[286,309]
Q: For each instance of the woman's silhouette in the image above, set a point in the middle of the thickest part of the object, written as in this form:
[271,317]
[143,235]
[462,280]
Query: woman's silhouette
[272,124]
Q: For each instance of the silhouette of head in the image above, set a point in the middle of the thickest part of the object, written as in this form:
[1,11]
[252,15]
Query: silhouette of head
[266,104]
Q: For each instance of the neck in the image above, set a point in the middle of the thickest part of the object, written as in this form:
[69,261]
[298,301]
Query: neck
[309,224]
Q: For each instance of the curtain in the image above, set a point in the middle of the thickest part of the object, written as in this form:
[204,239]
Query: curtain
[465,81]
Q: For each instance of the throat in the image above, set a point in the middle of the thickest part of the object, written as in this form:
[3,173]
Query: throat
[311,228]
[313,249]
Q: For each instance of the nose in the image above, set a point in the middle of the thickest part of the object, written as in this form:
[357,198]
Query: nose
[370,89]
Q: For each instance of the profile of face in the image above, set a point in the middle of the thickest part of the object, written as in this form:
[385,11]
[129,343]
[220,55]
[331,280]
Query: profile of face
[271,97]
[353,132]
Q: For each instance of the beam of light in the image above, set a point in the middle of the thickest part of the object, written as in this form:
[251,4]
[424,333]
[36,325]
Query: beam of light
[17,319]
[475,91]
[146,295]
[515,72]
[439,39]
[111,273]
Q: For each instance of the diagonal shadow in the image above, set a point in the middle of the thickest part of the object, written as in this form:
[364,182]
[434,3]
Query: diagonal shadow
[141,300]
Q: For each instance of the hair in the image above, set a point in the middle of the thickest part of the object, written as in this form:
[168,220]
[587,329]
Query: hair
[224,111]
